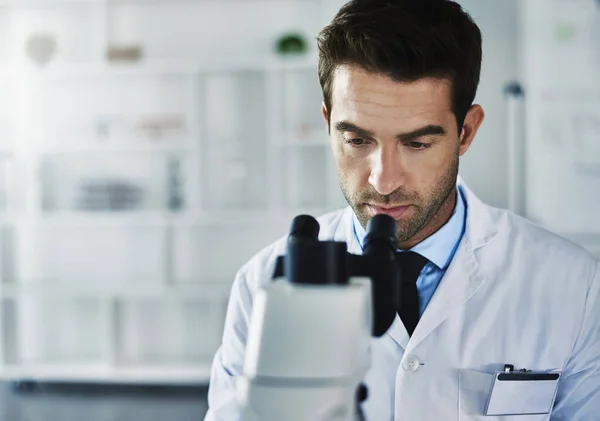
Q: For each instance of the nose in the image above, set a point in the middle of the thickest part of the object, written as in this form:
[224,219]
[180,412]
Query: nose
[388,172]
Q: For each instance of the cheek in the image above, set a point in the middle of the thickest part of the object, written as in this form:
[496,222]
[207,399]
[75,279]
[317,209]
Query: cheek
[441,157]
[427,169]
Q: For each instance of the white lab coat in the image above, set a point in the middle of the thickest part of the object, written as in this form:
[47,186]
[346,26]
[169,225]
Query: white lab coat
[513,294]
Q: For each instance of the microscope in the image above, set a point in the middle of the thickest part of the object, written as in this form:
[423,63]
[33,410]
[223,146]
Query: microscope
[307,350]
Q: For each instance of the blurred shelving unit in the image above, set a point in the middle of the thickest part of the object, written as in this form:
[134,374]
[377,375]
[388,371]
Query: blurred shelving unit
[130,193]
[557,146]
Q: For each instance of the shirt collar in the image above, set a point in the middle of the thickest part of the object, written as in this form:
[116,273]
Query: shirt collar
[438,248]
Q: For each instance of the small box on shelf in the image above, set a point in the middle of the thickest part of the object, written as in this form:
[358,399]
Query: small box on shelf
[71,371]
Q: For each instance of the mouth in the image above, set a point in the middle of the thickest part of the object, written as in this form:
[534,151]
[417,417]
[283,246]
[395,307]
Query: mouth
[395,212]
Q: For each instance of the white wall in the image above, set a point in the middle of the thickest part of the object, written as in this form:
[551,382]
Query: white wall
[484,167]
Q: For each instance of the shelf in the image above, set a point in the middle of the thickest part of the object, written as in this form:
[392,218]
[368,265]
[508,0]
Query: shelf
[48,3]
[133,291]
[159,219]
[104,373]
[66,3]
[102,218]
[181,67]
[124,149]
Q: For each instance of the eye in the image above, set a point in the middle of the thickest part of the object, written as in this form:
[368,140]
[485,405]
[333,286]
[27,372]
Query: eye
[418,145]
[356,142]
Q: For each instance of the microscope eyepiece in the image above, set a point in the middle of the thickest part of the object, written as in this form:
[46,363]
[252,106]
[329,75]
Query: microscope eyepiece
[381,234]
[304,227]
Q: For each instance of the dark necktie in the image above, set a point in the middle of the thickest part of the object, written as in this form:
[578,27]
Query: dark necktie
[410,264]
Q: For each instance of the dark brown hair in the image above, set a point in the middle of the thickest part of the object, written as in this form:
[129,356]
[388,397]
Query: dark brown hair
[405,40]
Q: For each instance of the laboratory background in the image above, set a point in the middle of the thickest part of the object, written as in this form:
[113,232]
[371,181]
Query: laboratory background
[148,148]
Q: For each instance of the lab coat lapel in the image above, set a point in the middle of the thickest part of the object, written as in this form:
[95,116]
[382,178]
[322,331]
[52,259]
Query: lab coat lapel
[459,283]
[463,277]
[398,333]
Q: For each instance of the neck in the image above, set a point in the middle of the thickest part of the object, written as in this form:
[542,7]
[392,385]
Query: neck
[439,220]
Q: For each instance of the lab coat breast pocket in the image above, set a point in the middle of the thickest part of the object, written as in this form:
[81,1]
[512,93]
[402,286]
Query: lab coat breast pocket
[474,389]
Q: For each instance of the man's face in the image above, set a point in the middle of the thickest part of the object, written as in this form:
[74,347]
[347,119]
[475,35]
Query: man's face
[396,148]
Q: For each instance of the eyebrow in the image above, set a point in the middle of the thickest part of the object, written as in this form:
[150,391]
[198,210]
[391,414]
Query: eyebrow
[429,130]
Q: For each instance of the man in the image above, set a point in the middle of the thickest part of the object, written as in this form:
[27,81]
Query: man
[399,78]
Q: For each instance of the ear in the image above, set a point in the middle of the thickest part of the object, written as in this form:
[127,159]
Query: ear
[473,120]
[325,115]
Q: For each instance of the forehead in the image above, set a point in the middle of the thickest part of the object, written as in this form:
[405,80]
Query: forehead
[359,94]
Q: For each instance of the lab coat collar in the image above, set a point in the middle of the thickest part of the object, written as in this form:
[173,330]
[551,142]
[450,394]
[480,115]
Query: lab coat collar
[460,282]
[482,221]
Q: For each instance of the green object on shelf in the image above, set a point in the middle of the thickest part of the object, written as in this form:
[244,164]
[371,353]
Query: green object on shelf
[565,33]
[291,44]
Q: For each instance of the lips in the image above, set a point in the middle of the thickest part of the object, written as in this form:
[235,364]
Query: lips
[394,212]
